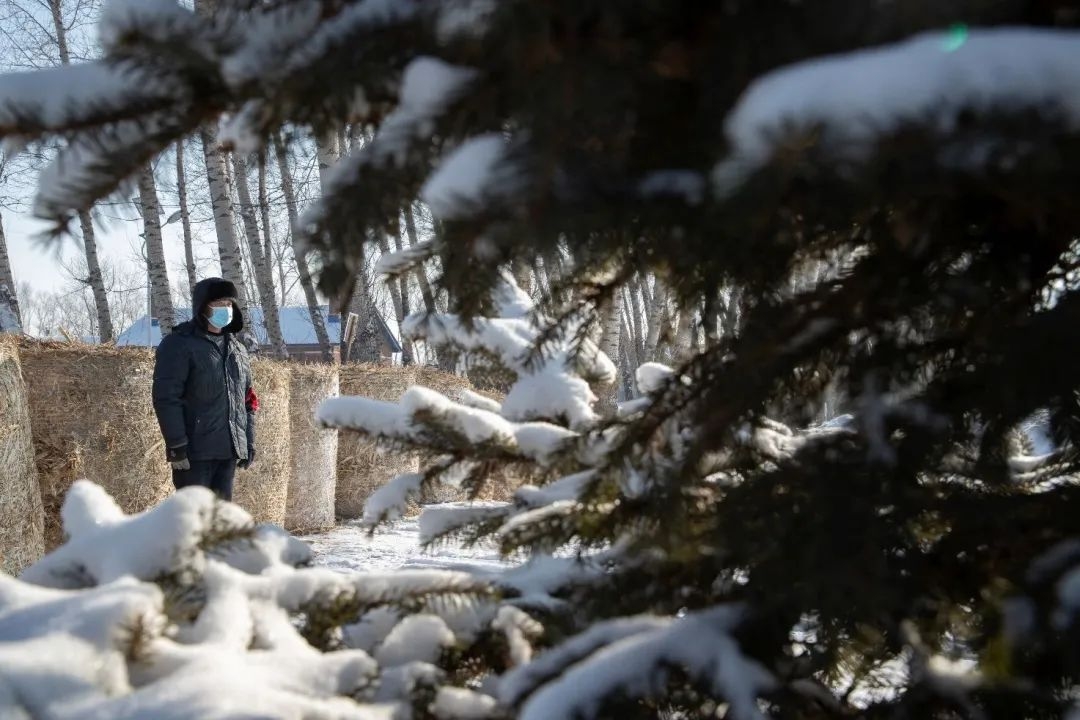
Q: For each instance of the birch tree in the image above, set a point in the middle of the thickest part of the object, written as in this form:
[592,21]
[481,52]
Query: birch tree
[264,280]
[58,39]
[232,268]
[302,269]
[232,263]
[10,316]
[185,217]
[421,275]
[161,305]
[10,302]
[364,346]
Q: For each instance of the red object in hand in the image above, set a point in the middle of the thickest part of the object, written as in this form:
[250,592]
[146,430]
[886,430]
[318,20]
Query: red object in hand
[252,401]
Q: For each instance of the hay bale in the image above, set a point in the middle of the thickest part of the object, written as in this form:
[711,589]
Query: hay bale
[312,482]
[92,417]
[361,466]
[263,489]
[22,518]
[448,384]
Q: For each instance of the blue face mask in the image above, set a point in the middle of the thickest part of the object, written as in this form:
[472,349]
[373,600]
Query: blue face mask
[220,317]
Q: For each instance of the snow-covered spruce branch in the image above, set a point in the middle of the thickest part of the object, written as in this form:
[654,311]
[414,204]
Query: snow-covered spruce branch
[424,418]
[429,89]
[553,386]
[94,164]
[1016,68]
[80,97]
[107,638]
[633,658]
[134,26]
[410,259]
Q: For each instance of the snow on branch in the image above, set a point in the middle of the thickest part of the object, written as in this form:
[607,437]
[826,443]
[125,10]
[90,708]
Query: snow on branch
[424,418]
[474,173]
[633,659]
[79,96]
[931,78]
[429,87]
[552,387]
[401,261]
[389,501]
[339,33]
[567,488]
[523,681]
[159,22]
[190,606]
[107,545]
[96,163]
[270,35]
[440,522]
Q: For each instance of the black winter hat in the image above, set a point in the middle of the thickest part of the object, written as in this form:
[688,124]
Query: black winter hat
[210,289]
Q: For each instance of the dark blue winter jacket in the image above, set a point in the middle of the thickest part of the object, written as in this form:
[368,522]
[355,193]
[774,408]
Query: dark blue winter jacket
[203,385]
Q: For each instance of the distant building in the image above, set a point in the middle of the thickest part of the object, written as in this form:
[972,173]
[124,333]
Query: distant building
[296,328]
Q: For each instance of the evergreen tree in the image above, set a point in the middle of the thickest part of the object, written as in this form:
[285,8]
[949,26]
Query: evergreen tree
[904,563]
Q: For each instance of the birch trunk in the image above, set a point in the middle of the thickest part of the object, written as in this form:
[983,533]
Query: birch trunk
[7,278]
[326,151]
[522,276]
[421,275]
[403,280]
[610,327]
[684,338]
[232,268]
[264,212]
[94,278]
[161,305]
[264,280]
[185,217]
[395,289]
[366,342]
[298,254]
[657,315]
[637,319]
[399,294]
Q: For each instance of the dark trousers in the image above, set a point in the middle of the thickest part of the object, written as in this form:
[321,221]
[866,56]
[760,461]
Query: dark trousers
[214,474]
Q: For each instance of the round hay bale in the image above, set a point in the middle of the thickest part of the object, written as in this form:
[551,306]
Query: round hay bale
[262,490]
[448,384]
[312,483]
[22,518]
[92,417]
[362,467]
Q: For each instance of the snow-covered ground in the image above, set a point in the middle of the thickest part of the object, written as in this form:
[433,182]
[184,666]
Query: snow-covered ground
[394,545]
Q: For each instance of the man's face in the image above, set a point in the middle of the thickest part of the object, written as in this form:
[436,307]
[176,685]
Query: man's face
[224,302]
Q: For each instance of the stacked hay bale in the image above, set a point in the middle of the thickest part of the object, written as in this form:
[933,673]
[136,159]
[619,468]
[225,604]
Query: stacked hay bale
[448,384]
[22,518]
[313,480]
[361,466]
[92,417]
[263,489]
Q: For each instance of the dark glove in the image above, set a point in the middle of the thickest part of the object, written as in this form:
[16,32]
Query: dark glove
[245,464]
[177,457]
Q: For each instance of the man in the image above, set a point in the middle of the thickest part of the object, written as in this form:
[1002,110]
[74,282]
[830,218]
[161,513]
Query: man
[203,396]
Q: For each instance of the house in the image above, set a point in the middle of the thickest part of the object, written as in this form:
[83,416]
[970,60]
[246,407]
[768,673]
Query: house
[296,327]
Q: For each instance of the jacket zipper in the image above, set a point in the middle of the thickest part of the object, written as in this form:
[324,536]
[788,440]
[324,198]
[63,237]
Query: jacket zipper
[224,351]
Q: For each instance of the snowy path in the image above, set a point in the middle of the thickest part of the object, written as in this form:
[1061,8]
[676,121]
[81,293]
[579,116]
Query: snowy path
[395,545]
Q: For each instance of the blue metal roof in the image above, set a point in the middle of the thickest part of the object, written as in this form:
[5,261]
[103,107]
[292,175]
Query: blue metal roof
[296,327]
